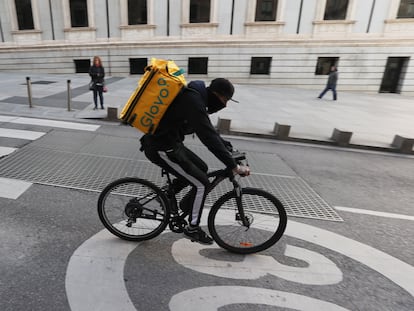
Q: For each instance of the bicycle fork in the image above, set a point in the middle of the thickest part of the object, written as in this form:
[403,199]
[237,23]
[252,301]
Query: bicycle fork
[240,216]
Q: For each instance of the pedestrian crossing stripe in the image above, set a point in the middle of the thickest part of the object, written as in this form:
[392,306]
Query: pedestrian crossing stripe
[20,134]
[6,119]
[50,123]
[58,124]
[6,151]
[13,188]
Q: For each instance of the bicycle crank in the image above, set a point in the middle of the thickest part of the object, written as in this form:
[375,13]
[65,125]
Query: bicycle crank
[177,224]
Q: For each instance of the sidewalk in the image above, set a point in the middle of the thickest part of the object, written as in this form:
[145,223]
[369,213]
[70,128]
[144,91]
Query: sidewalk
[374,119]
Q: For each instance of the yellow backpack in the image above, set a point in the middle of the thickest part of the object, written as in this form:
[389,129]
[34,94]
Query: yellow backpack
[160,84]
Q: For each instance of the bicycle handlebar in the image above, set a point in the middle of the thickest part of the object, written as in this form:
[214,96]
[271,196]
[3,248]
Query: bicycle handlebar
[238,156]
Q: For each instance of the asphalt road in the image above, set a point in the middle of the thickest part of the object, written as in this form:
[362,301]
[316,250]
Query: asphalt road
[55,255]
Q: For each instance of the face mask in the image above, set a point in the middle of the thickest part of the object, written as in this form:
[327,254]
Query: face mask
[214,103]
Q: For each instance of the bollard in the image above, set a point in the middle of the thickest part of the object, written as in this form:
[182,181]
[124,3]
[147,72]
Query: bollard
[112,114]
[341,138]
[403,144]
[69,95]
[29,91]
[281,131]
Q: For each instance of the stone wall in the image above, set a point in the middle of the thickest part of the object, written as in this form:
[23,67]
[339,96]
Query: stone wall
[363,42]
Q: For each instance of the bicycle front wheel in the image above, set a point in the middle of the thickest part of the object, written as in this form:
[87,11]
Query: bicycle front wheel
[264,213]
[133,209]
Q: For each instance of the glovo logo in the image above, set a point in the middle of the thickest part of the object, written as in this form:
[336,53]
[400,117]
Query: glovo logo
[147,120]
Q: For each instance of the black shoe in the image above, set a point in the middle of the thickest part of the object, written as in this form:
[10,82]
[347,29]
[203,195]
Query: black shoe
[196,234]
[102,107]
[95,108]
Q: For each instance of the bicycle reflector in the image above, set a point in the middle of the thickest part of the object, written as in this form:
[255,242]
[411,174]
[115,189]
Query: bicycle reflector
[246,244]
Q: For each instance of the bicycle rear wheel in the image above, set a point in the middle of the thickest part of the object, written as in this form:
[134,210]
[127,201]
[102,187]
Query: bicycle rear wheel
[265,214]
[133,209]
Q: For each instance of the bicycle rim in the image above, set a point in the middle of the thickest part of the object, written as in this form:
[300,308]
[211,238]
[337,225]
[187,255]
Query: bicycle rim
[265,214]
[133,209]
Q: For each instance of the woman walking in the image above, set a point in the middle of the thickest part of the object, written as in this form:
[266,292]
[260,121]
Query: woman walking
[97,74]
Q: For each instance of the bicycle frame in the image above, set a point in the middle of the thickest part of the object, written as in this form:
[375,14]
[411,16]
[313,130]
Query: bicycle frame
[219,176]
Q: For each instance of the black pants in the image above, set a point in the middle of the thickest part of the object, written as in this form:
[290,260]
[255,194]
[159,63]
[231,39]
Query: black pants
[327,88]
[185,164]
[98,90]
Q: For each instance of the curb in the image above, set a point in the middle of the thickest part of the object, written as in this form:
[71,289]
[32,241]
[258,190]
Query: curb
[339,138]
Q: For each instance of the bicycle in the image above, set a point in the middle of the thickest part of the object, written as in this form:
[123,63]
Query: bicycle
[135,209]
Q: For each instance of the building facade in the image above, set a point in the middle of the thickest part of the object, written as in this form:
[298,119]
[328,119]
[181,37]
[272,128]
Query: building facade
[288,43]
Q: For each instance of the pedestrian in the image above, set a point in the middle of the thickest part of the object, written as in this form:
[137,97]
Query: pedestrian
[188,114]
[331,85]
[97,73]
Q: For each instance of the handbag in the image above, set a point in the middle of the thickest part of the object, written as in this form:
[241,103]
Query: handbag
[91,86]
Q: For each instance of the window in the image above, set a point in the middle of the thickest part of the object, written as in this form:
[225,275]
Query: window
[24,14]
[137,65]
[137,12]
[266,10]
[406,9]
[82,65]
[324,65]
[197,65]
[260,65]
[199,11]
[78,13]
[394,74]
[336,9]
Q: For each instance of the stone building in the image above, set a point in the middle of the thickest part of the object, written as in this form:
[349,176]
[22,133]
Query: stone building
[288,43]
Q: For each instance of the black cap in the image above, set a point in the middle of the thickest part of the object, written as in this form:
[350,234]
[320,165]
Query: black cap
[223,87]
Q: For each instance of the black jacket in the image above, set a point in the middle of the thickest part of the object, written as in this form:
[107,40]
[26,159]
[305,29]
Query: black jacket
[333,78]
[187,114]
[97,74]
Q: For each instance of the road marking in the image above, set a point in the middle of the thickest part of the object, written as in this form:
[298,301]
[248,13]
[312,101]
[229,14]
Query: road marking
[12,188]
[58,124]
[6,119]
[213,298]
[394,269]
[374,213]
[21,134]
[95,274]
[6,151]
[319,270]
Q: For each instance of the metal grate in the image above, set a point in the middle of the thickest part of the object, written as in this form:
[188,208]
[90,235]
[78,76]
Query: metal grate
[98,160]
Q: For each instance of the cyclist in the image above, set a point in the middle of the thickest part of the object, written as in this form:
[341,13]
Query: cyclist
[186,115]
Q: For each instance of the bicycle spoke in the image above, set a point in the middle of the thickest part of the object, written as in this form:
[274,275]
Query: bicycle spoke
[263,229]
[133,209]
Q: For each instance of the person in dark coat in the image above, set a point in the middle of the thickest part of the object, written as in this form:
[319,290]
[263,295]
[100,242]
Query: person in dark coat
[188,114]
[97,73]
[331,84]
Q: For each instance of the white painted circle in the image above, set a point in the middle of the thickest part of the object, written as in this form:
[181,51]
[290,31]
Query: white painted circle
[95,280]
